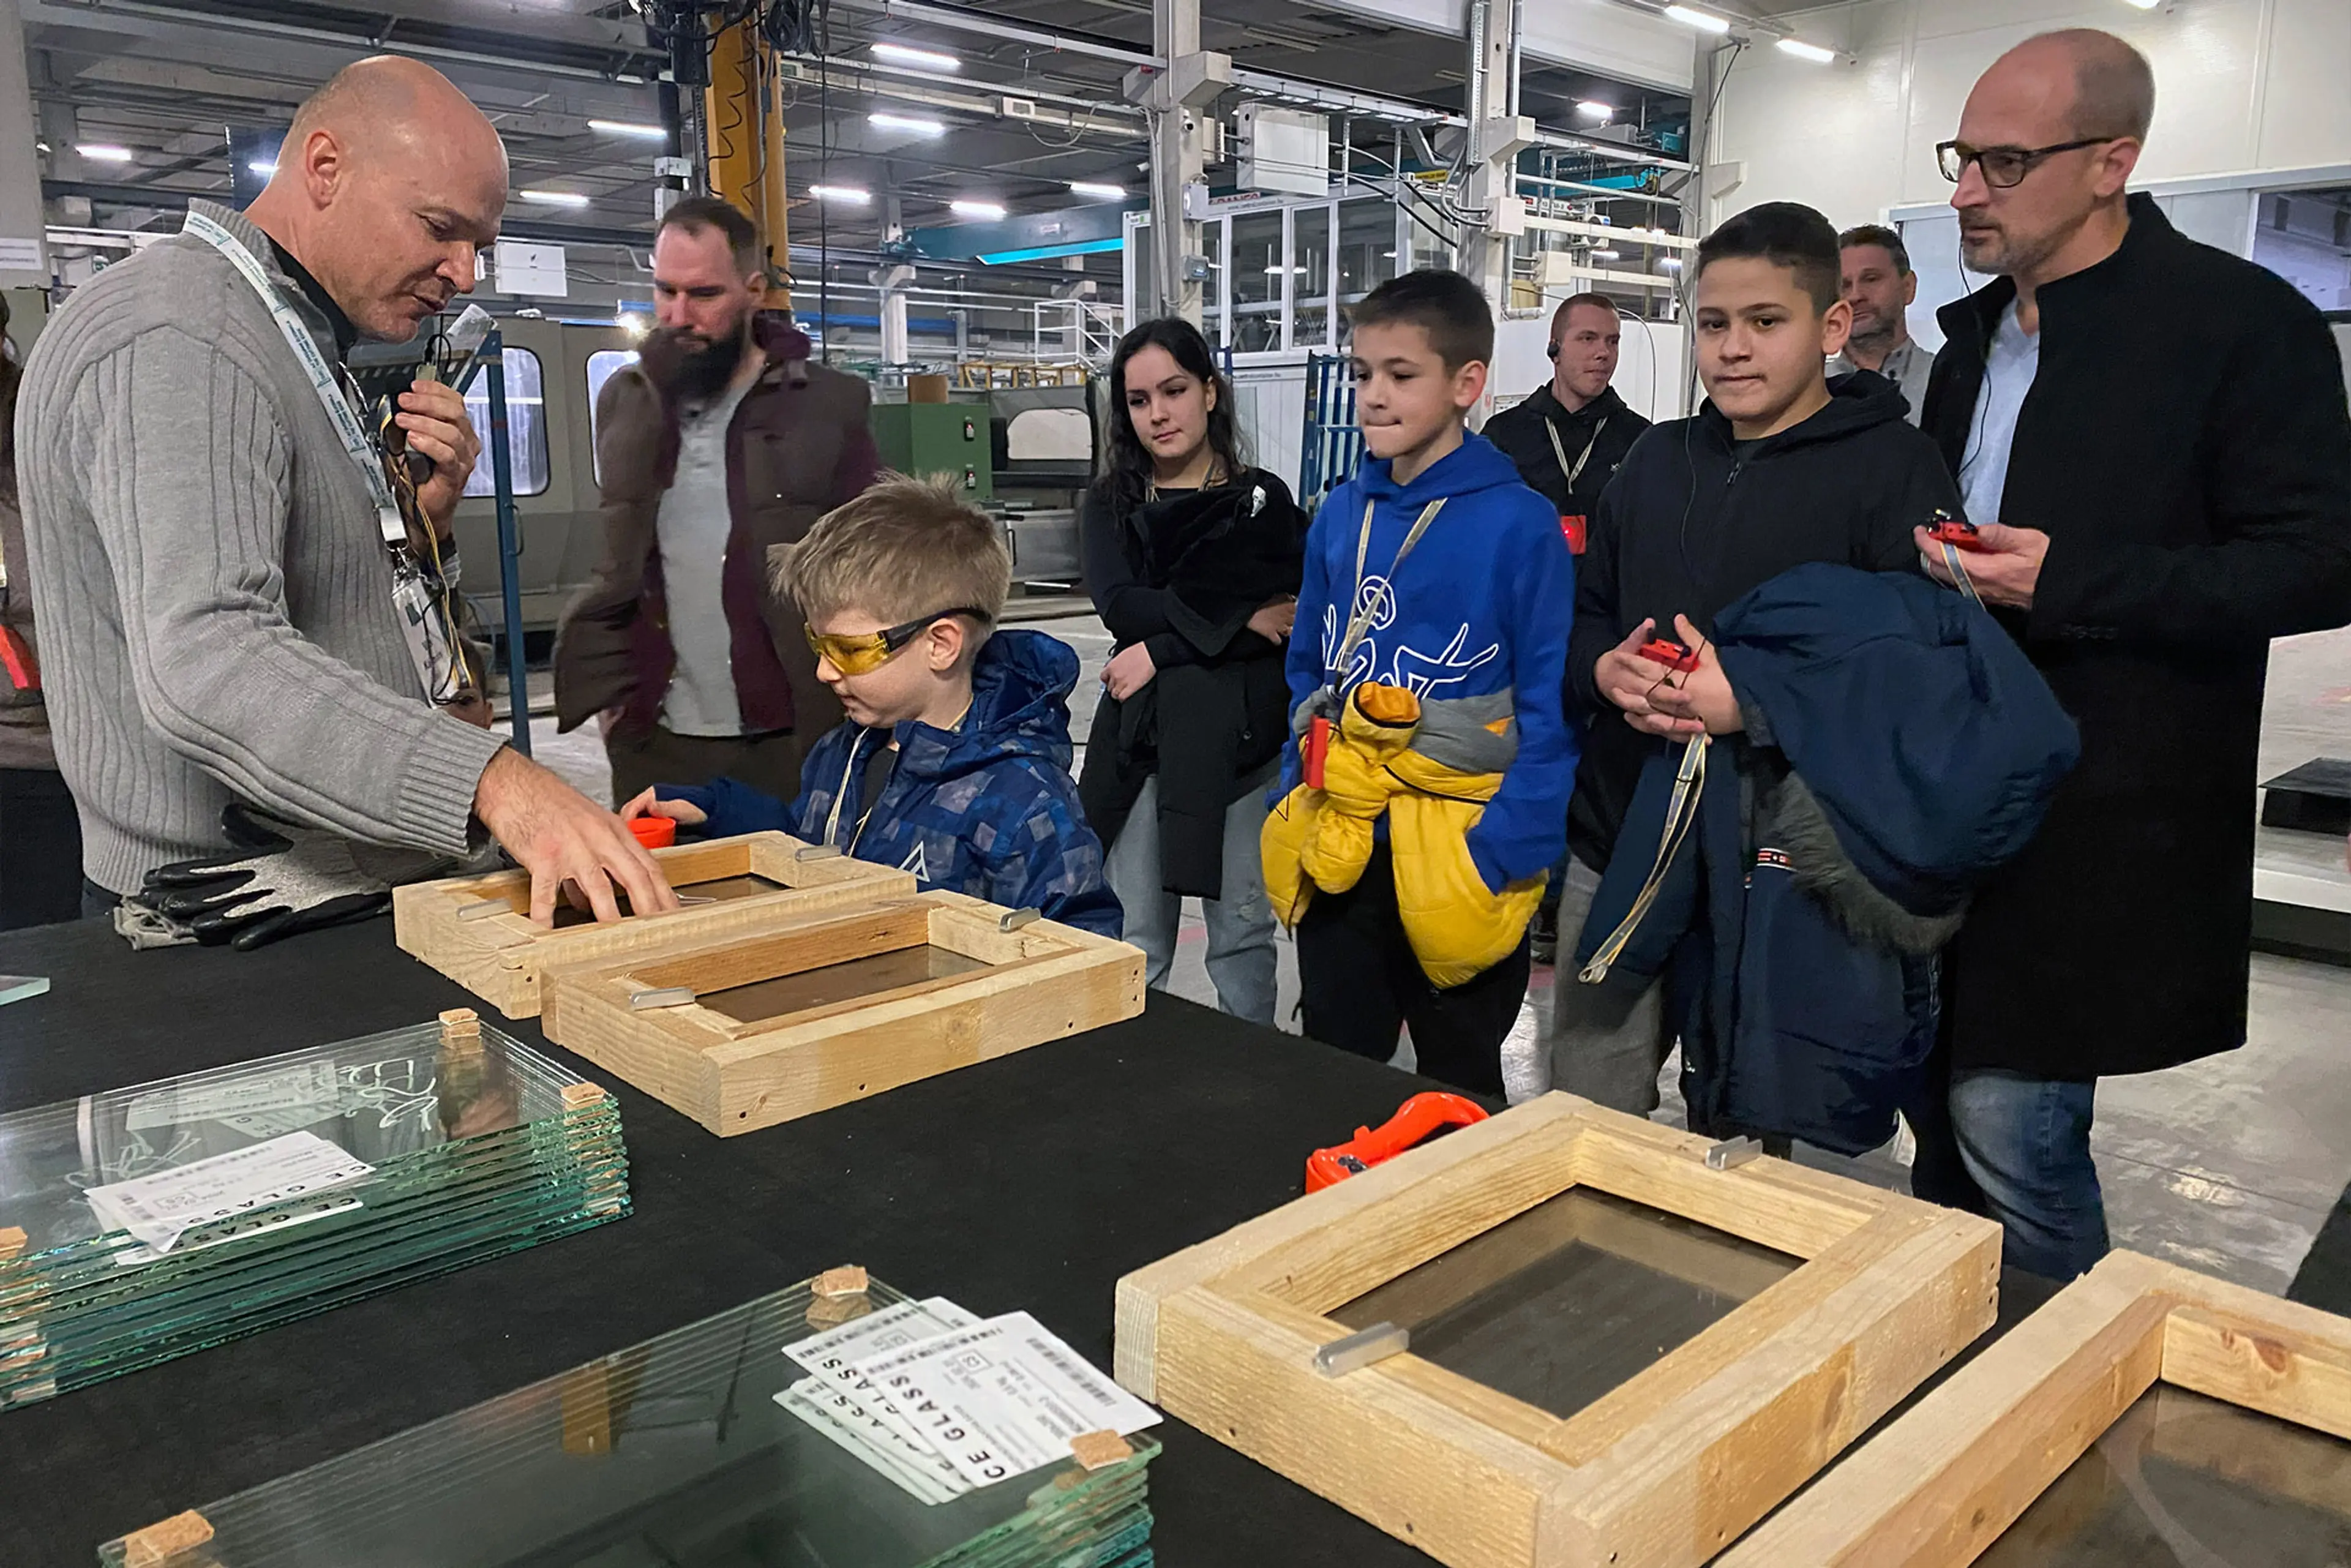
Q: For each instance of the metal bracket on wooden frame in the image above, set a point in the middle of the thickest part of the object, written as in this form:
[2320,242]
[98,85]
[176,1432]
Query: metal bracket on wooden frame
[1936,1488]
[1663,1471]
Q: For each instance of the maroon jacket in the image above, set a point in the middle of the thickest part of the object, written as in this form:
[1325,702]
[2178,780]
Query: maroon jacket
[798,447]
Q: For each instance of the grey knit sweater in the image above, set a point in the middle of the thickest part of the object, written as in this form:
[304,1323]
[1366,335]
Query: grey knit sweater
[214,604]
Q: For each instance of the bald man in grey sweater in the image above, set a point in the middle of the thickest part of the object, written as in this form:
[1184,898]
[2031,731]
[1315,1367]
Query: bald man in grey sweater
[214,596]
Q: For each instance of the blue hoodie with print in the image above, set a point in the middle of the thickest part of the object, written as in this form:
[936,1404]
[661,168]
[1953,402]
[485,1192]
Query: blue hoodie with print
[1482,605]
[985,809]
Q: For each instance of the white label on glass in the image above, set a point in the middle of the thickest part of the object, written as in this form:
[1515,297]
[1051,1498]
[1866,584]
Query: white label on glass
[917,1470]
[891,1328]
[1002,1397]
[158,1209]
[308,1085]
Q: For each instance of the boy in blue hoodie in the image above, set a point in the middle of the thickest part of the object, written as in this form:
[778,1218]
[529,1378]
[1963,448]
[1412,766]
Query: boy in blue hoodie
[1437,570]
[954,761]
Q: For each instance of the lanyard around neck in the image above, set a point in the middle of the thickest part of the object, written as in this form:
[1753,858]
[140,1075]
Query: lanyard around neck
[1360,620]
[320,371]
[1559,452]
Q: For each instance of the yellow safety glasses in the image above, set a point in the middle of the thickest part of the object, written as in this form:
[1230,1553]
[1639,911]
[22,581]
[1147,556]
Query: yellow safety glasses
[869,651]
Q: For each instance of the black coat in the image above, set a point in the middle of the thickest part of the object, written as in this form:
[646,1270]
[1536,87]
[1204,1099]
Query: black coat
[2185,447]
[1182,575]
[1690,524]
[1605,424]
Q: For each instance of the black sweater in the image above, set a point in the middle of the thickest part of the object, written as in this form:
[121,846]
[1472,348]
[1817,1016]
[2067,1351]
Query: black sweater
[1694,519]
[1605,424]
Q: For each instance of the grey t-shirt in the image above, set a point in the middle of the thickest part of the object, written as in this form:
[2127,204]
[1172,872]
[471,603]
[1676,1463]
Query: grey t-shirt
[2009,369]
[693,524]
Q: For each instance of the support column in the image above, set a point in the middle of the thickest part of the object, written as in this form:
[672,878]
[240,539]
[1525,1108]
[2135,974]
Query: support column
[23,252]
[1173,99]
[895,279]
[1498,134]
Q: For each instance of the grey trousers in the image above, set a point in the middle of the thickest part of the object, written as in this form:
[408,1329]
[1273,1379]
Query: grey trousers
[1601,1047]
[1240,925]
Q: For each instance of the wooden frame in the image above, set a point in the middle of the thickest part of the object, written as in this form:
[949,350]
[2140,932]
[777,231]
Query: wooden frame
[1936,1489]
[500,956]
[1662,1472]
[1036,982]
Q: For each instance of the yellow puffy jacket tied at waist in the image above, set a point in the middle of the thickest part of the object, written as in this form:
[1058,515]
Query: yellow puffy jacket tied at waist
[1380,761]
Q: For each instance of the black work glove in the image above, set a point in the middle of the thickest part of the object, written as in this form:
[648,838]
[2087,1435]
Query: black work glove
[283,880]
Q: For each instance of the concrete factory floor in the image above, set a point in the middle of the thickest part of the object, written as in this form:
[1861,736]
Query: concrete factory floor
[2228,1165]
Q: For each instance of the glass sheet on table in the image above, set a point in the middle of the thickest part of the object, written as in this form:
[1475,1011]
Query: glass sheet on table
[673,1452]
[844,982]
[1560,1304]
[2184,1481]
[469,1150]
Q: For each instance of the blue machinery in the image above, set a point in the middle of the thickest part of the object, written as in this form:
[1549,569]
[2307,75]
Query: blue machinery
[1334,442]
[492,363]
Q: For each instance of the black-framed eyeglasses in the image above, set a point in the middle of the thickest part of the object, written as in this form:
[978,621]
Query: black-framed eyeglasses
[2003,167]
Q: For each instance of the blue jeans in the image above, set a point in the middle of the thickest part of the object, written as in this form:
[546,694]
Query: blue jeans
[2024,1144]
[1240,924]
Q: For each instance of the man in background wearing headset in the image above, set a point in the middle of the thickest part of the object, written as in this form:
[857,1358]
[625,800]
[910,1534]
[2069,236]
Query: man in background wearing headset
[1566,441]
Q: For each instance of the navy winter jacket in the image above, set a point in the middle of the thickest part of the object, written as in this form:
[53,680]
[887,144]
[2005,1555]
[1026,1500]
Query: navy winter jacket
[986,808]
[1899,747]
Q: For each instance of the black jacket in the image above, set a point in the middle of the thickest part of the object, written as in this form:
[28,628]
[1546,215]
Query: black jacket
[1182,575]
[1605,424]
[2185,447]
[1689,524]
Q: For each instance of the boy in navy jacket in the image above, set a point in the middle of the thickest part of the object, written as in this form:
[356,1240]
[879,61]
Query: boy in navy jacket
[954,761]
[1436,570]
[1781,468]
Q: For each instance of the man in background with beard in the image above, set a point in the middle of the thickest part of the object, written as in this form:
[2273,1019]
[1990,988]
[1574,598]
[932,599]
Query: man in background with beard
[1878,282]
[722,442]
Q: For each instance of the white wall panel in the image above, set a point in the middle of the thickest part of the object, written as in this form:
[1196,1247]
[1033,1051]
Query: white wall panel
[2242,85]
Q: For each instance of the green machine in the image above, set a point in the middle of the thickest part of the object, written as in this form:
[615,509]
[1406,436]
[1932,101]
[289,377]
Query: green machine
[938,438]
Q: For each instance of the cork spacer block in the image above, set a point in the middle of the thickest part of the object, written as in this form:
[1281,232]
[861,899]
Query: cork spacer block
[576,1095]
[846,1281]
[13,1240]
[159,1544]
[461,1030]
[1096,1450]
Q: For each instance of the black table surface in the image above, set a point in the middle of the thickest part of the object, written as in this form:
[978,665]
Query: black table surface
[1031,1182]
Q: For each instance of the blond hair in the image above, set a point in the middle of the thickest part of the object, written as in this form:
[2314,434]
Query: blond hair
[905,548]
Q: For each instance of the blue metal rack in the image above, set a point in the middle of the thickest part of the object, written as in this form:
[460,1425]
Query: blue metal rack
[1334,442]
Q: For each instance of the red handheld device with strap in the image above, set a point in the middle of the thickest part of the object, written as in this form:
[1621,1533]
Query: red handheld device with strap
[1957,534]
[1416,1121]
[1671,654]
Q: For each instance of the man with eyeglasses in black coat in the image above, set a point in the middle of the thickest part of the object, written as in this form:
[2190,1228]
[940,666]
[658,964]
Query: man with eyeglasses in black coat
[2152,435]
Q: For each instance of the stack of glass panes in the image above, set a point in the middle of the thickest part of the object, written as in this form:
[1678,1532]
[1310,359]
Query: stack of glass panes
[675,1453]
[434,1146]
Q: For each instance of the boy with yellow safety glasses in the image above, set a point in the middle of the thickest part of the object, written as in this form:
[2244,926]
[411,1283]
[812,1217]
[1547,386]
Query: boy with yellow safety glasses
[954,761]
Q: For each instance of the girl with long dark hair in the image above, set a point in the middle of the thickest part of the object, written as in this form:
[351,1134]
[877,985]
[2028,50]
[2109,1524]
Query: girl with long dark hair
[1194,560]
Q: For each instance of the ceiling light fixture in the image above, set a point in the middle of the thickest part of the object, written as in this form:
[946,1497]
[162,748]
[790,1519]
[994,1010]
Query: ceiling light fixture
[103,153]
[263,167]
[1593,108]
[1096,188]
[927,60]
[1669,264]
[2144,5]
[556,198]
[1804,51]
[1704,21]
[627,128]
[903,122]
[988,210]
[1604,255]
[849,193]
